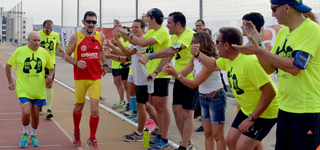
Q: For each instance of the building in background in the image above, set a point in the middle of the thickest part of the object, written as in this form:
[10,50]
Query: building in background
[27,27]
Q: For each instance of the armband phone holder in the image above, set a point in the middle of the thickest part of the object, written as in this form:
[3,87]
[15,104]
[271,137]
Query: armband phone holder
[301,59]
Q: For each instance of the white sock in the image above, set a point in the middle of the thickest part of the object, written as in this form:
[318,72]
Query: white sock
[139,133]
[25,129]
[33,131]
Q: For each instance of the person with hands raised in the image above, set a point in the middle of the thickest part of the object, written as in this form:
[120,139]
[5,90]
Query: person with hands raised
[183,96]
[251,86]
[211,92]
[296,57]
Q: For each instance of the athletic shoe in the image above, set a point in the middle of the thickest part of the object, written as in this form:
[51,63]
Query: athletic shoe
[135,120]
[49,114]
[128,112]
[154,133]
[76,139]
[190,146]
[92,144]
[161,145]
[151,124]
[34,141]
[154,141]
[41,111]
[119,105]
[24,140]
[147,122]
[123,110]
[102,98]
[134,137]
[132,116]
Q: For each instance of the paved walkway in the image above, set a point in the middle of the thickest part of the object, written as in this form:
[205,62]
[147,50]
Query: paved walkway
[111,128]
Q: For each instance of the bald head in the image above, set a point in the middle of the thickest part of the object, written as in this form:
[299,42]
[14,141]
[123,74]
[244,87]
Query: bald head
[33,33]
[34,39]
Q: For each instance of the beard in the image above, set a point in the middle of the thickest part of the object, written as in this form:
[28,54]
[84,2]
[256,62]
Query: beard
[90,30]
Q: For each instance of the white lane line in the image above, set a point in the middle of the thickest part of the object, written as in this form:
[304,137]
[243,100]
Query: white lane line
[39,146]
[53,120]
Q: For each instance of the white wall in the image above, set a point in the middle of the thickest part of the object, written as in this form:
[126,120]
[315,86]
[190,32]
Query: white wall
[28,23]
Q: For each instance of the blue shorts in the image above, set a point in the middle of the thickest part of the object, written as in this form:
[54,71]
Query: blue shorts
[38,102]
[213,109]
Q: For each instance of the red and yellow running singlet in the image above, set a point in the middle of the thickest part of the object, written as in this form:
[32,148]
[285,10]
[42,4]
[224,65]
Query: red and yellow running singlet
[88,49]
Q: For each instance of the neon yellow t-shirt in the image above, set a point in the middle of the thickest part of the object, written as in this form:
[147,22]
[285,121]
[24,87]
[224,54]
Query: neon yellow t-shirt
[183,57]
[31,71]
[246,76]
[115,64]
[300,93]
[163,38]
[49,42]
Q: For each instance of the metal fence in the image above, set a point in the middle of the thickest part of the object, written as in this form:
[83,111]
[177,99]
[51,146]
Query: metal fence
[128,10]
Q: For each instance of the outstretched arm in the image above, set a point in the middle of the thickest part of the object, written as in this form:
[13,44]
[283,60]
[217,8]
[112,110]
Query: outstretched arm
[201,77]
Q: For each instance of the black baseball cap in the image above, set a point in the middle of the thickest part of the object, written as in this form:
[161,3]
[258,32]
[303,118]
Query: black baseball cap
[156,13]
[296,4]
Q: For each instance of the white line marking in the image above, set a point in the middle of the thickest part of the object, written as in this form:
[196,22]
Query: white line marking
[39,146]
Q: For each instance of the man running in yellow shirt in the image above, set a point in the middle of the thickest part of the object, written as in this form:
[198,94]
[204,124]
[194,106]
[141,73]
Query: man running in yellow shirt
[49,41]
[30,61]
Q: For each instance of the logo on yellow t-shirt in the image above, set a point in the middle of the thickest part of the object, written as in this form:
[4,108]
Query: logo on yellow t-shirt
[27,65]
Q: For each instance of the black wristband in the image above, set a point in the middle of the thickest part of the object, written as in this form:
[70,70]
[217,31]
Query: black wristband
[77,63]
[128,34]
[119,58]
[131,36]
[197,55]
[155,72]
[105,65]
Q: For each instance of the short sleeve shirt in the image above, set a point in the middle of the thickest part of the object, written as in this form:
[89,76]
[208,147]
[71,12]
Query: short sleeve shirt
[31,71]
[300,93]
[183,57]
[163,41]
[246,76]
[49,42]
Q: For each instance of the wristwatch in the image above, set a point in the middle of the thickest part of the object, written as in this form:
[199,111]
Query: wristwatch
[250,118]
[150,56]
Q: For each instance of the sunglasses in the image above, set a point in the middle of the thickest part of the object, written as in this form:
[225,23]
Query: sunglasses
[274,8]
[217,42]
[91,21]
[47,30]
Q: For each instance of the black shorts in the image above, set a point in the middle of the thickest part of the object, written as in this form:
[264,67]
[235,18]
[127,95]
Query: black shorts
[261,126]
[116,72]
[298,131]
[47,72]
[124,73]
[183,95]
[142,94]
[161,87]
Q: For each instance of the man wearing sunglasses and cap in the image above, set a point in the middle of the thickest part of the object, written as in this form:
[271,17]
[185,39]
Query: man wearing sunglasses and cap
[50,41]
[155,40]
[87,48]
[296,56]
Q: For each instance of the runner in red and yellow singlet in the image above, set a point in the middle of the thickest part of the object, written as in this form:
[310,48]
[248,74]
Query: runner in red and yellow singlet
[87,47]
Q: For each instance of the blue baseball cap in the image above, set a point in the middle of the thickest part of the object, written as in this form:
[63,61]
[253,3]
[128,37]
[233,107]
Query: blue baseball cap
[296,4]
[156,13]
